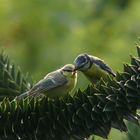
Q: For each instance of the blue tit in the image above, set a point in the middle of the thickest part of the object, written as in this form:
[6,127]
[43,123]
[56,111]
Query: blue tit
[55,84]
[93,67]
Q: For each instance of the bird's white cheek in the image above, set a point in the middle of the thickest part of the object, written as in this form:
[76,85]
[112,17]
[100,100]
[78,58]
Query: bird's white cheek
[65,74]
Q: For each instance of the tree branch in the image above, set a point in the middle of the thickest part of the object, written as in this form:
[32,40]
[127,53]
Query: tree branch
[93,111]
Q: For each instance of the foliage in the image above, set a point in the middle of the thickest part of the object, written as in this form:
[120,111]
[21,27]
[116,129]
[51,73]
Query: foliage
[44,35]
[30,30]
[93,111]
[12,82]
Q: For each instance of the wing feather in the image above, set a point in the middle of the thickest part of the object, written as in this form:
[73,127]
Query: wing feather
[103,65]
[52,80]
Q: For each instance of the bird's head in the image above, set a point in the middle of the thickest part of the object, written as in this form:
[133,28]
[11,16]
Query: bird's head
[82,62]
[69,70]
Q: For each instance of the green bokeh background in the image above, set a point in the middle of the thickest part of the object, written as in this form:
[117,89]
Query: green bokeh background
[43,35]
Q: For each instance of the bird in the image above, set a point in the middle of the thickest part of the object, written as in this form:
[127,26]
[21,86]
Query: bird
[93,67]
[55,84]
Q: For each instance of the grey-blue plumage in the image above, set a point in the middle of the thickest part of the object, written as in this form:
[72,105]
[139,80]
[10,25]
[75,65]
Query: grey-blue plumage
[93,67]
[102,65]
[54,84]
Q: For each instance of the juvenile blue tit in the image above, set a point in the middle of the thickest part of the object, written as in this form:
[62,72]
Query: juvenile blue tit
[93,67]
[54,84]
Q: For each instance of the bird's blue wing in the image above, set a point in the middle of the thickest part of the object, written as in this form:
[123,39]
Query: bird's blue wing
[103,65]
[51,81]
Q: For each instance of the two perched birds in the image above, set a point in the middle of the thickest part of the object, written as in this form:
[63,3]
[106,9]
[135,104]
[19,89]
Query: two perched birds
[62,81]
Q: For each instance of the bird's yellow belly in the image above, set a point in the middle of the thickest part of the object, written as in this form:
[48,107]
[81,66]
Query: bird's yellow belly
[61,90]
[95,73]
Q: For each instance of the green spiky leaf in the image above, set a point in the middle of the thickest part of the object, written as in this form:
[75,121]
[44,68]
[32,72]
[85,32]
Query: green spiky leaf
[93,111]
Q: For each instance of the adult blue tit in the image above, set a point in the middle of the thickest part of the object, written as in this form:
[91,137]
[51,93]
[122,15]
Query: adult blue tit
[93,67]
[55,84]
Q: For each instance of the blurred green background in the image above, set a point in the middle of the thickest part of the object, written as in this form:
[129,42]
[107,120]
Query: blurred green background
[43,35]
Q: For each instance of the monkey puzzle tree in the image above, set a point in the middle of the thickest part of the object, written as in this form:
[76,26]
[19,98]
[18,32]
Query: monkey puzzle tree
[92,111]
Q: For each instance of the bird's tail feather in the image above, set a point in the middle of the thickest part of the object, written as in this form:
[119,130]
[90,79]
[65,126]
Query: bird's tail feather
[22,96]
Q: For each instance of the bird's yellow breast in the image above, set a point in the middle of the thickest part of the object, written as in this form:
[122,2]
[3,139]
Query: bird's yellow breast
[95,73]
[64,89]
[72,81]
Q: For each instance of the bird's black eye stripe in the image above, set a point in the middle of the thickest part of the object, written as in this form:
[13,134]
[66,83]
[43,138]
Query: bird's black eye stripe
[67,70]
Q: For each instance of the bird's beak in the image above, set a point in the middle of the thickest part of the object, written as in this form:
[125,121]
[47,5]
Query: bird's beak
[74,71]
[77,65]
[77,68]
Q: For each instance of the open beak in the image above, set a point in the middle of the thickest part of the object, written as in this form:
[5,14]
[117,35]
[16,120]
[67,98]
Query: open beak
[74,71]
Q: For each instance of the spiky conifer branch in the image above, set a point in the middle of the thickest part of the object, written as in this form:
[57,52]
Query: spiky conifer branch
[12,82]
[93,111]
